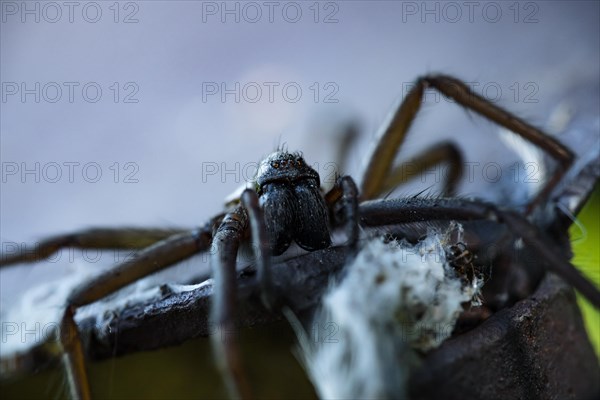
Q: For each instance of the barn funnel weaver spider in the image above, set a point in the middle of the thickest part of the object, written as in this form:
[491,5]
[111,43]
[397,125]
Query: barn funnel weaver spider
[288,195]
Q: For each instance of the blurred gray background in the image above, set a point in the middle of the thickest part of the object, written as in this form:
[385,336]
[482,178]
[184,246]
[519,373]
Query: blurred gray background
[110,116]
[113,114]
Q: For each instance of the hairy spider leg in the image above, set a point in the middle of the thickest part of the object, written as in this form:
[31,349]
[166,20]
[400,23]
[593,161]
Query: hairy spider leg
[226,243]
[443,153]
[145,262]
[346,136]
[73,357]
[397,211]
[344,196]
[261,247]
[381,160]
[152,259]
[554,259]
[93,238]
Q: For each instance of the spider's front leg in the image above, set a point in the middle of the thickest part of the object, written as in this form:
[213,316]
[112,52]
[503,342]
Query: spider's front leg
[226,243]
[152,259]
[93,238]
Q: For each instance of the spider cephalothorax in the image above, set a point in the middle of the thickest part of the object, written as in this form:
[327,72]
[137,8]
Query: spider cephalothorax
[290,195]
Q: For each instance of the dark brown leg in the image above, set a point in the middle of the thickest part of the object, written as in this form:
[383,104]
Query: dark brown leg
[74,357]
[261,246]
[383,156]
[345,138]
[154,258]
[547,251]
[398,211]
[95,238]
[342,200]
[226,242]
[444,153]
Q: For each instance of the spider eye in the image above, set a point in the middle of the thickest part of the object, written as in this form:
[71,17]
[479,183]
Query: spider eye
[275,165]
[299,163]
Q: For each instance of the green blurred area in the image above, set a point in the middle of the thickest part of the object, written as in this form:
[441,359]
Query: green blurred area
[183,372]
[586,246]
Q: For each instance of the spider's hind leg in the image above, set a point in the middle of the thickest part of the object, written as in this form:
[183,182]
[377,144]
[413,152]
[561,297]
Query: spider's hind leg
[395,132]
[547,251]
[444,153]
[399,211]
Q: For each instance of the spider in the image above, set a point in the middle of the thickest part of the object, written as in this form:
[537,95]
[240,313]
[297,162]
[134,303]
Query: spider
[286,205]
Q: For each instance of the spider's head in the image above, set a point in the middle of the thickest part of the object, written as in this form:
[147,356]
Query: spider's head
[285,167]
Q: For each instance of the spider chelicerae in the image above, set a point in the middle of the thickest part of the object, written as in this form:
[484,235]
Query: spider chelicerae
[286,205]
